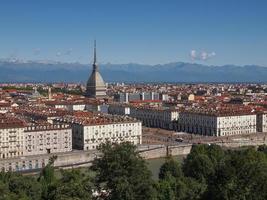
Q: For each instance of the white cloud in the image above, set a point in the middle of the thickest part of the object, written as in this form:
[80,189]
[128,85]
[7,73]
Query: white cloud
[193,54]
[203,55]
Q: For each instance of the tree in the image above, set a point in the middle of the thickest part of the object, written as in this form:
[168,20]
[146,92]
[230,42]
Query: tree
[242,175]
[172,167]
[199,167]
[25,186]
[16,186]
[5,193]
[202,161]
[174,185]
[166,188]
[123,173]
[74,185]
[192,189]
[48,180]
[263,148]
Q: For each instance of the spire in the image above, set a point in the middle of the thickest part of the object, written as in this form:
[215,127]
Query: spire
[96,87]
[95,53]
[95,64]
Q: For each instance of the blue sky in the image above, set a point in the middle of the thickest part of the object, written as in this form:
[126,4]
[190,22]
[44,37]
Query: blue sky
[213,32]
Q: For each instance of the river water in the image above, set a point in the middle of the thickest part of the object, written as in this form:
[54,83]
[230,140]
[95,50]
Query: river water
[152,164]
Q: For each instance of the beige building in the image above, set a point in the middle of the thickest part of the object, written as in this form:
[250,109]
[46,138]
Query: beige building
[151,117]
[90,132]
[46,139]
[11,137]
[19,139]
[262,122]
[217,124]
[154,117]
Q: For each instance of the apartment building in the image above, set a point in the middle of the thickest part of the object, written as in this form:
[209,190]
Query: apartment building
[150,116]
[262,122]
[18,138]
[47,138]
[155,117]
[90,132]
[217,123]
[11,137]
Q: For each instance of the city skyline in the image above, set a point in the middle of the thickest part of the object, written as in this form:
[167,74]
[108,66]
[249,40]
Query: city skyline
[150,32]
[130,100]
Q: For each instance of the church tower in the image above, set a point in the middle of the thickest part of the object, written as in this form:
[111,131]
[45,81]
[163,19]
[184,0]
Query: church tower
[95,87]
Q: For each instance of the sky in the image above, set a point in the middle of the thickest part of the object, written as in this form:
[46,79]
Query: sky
[212,32]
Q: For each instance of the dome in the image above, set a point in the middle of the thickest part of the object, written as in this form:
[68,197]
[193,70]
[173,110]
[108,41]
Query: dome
[95,80]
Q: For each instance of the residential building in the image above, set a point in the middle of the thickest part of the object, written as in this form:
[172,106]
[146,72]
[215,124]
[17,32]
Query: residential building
[90,131]
[47,138]
[11,137]
[217,123]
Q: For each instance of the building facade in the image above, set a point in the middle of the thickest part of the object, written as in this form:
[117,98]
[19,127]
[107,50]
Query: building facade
[128,97]
[46,139]
[17,138]
[88,132]
[216,124]
[11,137]
[153,117]
[150,117]
[11,141]
[262,122]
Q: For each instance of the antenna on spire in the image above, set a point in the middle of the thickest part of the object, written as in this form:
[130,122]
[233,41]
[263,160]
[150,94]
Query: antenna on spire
[95,53]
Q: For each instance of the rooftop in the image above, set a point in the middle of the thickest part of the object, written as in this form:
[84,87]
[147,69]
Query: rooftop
[8,121]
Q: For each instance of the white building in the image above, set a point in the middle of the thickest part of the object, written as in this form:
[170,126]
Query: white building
[11,137]
[19,139]
[262,122]
[67,105]
[119,109]
[151,117]
[90,132]
[154,117]
[217,124]
[46,139]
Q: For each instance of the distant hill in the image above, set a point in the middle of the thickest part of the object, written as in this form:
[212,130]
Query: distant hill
[171,72]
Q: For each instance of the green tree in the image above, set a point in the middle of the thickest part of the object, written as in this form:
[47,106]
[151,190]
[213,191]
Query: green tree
[174,185]
[123,173]
[48,181]
[25,186]
[263,148]
[74,185]
[171,167]
[16,186]
[242,175]
[5,194]
[199,167]
[202,161]
[166,188]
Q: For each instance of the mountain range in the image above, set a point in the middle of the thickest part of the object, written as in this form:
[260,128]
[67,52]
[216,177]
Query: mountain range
[172,72]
